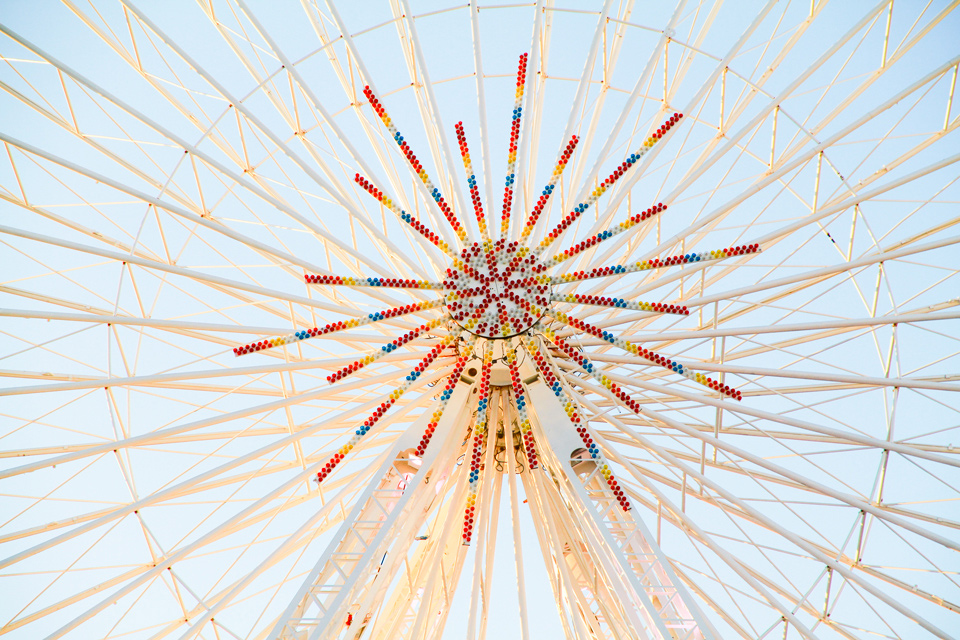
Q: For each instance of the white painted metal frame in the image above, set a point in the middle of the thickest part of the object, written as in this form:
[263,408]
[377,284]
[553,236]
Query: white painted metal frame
[155,486]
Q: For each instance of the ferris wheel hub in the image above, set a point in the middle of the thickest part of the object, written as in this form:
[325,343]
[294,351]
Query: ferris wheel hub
[496,289]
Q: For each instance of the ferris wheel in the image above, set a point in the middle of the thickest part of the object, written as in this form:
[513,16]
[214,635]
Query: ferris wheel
[593,320]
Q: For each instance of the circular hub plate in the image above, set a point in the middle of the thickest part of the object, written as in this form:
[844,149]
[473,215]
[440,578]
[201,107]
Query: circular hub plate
[496,292]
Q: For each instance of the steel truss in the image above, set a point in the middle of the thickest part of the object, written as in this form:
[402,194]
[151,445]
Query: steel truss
[269,373]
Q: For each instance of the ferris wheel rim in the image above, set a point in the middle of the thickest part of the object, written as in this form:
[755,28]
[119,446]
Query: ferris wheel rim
[670,395]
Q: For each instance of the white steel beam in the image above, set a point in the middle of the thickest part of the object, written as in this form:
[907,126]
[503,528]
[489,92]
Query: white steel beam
[431,573]
[638,87]
[487,538]
[149,438]
[682,519]
[382,146]
[610,56]
[817,487]
[584,83]
[627,548]
[168,380]
[515,520]
[419,573]
[186,487]
[433,126]
[321,602]
[788,164]
[329,121]
[604,612]
[479,592]
[554,570]
[551,545]
[357,214]
[868,441]
[439,224]
[526,166]
[485,157]
[767,522]
[626,185]
[210,161]
[852,323]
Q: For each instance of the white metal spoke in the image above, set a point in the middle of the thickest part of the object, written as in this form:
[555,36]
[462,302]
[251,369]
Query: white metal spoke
[269,368]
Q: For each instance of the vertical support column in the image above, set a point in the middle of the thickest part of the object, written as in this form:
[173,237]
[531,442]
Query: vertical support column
[479,592]
[659,604]
[600,605]
[515,519]
[367,533]
[564,590]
